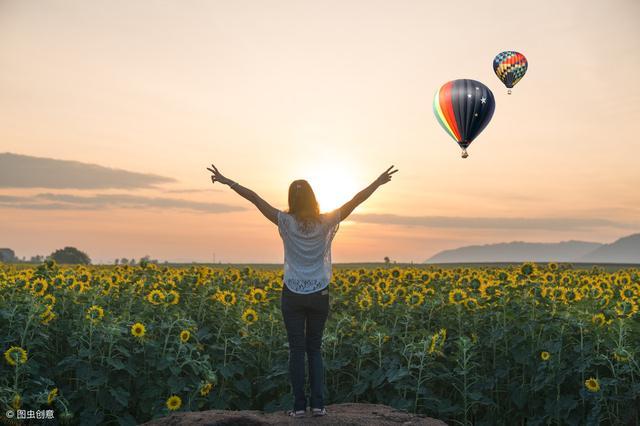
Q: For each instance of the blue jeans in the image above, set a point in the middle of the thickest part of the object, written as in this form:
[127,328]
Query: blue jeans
[312,308]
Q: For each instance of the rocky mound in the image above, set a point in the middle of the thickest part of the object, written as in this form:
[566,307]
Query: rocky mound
[337,415]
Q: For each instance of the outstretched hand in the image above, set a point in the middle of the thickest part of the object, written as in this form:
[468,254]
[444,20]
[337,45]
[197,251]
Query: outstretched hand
[385,177]
[217,176]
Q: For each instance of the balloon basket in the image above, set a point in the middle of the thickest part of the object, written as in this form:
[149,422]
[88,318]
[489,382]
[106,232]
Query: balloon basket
[464,153]
[509,92]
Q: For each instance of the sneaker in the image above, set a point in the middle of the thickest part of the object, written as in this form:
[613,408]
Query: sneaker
[299,413]
[317,412]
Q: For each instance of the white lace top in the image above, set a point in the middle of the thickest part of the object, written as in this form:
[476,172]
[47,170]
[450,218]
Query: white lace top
[307,253]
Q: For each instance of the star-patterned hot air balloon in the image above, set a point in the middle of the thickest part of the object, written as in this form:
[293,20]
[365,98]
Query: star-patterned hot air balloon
[510,67]
[463,108]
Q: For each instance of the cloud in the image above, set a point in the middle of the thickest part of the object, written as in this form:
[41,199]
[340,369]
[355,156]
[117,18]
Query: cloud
[49,201]
[44,206]
[10,199]
[190,191]
[545,223]
[23,171]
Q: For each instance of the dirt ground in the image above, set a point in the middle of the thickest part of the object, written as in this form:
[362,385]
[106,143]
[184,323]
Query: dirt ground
[337,415]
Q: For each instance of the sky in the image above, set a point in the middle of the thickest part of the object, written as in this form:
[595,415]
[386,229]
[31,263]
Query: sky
[111,110]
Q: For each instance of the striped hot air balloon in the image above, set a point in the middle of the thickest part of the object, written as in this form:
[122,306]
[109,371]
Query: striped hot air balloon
[510,67]
[463,109]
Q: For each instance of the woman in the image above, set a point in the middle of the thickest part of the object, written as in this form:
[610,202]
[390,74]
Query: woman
[307,237]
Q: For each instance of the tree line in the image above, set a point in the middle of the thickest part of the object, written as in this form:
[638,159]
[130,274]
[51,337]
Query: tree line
[67,255]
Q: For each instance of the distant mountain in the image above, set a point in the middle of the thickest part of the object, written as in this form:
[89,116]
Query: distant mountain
[624,250]
[517,251]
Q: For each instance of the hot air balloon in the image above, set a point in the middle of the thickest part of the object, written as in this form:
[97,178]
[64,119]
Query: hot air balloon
[463,109]
[510,67]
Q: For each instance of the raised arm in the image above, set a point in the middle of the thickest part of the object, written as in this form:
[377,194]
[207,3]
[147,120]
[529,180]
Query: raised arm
[265,208]
[348,207]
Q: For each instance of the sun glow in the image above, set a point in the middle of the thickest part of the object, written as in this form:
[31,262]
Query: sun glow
[333,187]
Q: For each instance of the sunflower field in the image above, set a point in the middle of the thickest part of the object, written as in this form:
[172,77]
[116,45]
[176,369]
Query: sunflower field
[524,344]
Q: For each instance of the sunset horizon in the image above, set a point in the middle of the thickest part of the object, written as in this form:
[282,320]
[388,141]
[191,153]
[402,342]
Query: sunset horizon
[64,206]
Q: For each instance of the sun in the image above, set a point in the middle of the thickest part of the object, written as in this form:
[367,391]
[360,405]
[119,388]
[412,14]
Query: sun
[332,187]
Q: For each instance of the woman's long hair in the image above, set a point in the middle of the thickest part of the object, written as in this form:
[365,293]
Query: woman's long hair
[303,204]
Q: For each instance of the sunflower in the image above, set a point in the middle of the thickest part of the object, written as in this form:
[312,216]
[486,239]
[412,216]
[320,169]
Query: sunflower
[47,316]
[73,284]
[549,277]
[226,297]
[83,275]
[470,303]
[386,298]
[626,308]
[401,292]
[557,293]
[627,293]
[604,285]
[437,341]
[552,266]
[584,290]
[49,300]
[155,297]
[364,303]
[623,279]
[174,402]
[535,292]
[599,319]
[476,283]
[487,291]
[138,330]
[173,297]
[249,316]
[58,281]
[15,355]
[585,280]
[107,286]
[205,389]
[527,268]
[344,287]
[52,395]
[457,296]
[185,335]
[428,291]
[566,280]
[277,284]
[414,299]
[621,355]
[257,295]
[571,295]
[395,273]
[95,313]
[592,384]
[544,355]
[383,285]
[604,300]
[39,287]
